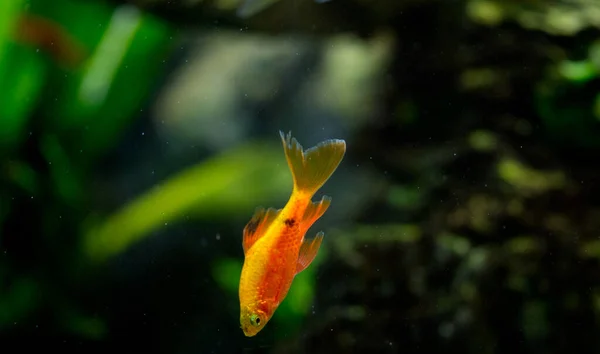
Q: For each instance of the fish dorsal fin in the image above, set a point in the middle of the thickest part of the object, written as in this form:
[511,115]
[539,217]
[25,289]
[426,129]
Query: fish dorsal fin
[258,224]
[315,210]
[308,251]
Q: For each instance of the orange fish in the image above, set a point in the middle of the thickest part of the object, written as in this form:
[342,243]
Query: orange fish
[275,248]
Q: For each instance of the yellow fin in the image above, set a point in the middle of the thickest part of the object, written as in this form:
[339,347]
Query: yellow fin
[313,167]
[257,226]
[308,251]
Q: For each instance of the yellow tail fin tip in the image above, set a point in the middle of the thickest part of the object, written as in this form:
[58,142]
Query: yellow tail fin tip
[311,168]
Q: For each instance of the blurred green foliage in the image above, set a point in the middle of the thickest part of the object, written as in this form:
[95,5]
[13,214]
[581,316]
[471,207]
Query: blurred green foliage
[210,189]
[77,112]
[478,122]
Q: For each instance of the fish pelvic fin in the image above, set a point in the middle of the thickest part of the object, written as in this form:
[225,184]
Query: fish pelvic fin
[258,225]
[313,167]
[308,251]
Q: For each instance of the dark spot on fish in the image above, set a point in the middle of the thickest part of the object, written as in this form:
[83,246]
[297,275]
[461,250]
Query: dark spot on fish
[290,222]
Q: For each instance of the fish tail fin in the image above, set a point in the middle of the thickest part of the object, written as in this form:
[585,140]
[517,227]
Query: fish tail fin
[313,167]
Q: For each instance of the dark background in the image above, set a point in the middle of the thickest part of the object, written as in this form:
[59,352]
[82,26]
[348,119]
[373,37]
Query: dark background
[138,137]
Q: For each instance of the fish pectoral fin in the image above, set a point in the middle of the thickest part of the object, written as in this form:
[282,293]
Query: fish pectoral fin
[258,224]
[308,251]
[315,210]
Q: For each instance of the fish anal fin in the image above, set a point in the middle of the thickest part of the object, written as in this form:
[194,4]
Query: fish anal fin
[315,210]
[308,251]
[258,224]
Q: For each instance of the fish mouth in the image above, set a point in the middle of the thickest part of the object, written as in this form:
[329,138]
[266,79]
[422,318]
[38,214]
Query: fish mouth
[248,332]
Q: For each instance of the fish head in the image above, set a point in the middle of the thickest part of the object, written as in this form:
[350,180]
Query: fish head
[253,318]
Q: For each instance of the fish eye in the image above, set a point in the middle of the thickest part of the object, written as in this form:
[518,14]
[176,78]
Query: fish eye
[255,320]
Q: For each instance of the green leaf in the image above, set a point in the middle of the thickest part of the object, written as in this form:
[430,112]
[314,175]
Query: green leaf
[234,182]
[64,174]
[483,140]
[93,105]
[22,73]
[578,71]
[528,179]
[11,9]
[455,243]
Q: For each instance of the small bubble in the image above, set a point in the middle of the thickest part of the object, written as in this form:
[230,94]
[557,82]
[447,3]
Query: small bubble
[143,133]
[166,224]
[218,237]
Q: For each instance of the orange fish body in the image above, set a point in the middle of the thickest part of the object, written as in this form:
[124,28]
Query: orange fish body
[274,245]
